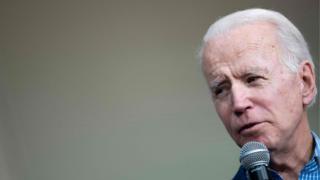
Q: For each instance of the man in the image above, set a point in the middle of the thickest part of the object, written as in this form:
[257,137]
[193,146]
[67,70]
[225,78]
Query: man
[262,79]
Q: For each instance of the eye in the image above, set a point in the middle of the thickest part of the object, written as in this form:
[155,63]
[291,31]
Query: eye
[218,91]
[252,79]
[221,90]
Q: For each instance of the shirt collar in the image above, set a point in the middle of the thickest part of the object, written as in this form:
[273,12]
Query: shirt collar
[241,174]
[316,153]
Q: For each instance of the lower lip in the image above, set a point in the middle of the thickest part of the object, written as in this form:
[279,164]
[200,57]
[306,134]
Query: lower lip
[252,130]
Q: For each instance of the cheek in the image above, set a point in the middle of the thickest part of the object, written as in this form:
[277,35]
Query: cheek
[224,113]
[289,96]
[284,103]
[221,109]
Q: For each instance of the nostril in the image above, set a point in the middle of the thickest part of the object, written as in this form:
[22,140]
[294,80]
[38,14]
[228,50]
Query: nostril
[238,113]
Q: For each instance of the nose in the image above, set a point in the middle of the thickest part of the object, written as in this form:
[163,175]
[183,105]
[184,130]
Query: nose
[241,101]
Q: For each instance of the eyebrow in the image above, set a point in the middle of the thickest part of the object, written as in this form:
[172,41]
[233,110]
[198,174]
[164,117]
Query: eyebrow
[257,70]
[220,78]
[217,81]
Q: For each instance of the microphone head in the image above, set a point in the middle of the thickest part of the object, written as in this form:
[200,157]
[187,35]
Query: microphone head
[253,154]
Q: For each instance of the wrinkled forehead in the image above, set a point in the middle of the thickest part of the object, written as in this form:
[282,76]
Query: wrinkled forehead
[258,36]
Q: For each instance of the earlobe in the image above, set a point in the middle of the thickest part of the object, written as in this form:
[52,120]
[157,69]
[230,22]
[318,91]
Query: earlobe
[308,85]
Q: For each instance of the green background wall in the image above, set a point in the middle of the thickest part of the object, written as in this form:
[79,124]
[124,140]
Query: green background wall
[112,89]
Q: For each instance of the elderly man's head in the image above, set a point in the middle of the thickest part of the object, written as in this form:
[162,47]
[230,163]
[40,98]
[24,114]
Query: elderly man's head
[294,48]
[261,76]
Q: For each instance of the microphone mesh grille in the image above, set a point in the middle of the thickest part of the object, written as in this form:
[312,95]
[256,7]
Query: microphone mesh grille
[254,153]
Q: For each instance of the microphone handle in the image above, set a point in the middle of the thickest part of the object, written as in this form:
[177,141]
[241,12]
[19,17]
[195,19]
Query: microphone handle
[259,173]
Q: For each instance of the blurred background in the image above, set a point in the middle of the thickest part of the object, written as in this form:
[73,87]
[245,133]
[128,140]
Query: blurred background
[112,89]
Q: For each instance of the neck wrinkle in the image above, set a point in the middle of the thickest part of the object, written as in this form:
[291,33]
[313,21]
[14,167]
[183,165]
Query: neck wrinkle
[288,162]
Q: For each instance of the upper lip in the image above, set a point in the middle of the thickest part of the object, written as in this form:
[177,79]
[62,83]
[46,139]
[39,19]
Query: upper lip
[247,125]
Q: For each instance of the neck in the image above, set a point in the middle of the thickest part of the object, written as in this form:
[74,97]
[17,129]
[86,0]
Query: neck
[291,159]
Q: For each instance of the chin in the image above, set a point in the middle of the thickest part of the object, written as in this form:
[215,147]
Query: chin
[243,140]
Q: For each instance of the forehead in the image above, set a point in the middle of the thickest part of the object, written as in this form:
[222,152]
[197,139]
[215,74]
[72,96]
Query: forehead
[256,41]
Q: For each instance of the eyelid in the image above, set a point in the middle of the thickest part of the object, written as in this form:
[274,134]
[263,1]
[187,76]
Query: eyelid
[217,80]
[214,84]
[254,79]
[253,76]
[222,88]
[250,75]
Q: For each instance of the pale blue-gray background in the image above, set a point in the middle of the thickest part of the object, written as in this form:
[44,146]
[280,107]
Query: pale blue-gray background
[111,90]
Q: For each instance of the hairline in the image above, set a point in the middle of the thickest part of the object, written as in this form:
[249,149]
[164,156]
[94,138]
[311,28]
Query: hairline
[290,59]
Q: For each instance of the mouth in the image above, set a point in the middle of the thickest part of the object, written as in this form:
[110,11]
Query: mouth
[249,128]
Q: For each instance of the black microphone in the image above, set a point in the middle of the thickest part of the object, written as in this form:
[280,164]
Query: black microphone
[255,157]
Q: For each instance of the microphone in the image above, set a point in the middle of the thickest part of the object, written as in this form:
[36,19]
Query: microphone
[255,157]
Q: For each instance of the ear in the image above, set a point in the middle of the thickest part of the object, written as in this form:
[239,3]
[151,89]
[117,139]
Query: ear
[308,83]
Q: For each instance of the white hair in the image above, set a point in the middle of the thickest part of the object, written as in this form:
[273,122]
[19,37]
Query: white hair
[295,48]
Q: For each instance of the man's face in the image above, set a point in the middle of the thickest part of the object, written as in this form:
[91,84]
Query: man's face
[255,95]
